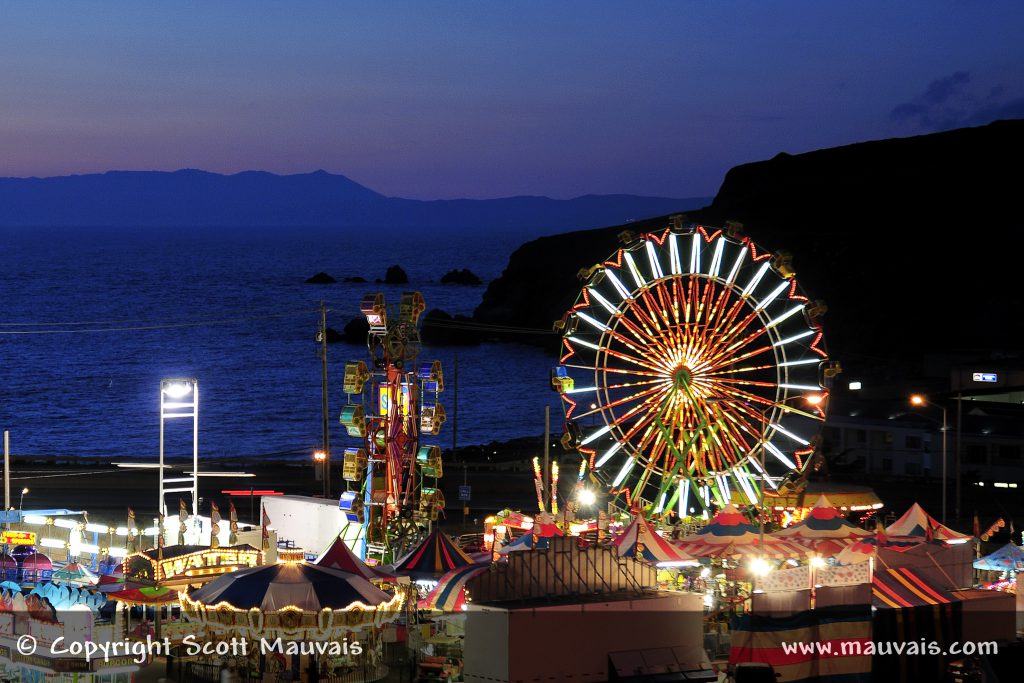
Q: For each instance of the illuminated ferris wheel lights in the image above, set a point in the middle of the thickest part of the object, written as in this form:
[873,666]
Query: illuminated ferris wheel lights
[608,454]
[623,472]
[661,503]
[736,267]
[604,302]
[655,264]
[723,487]
[580,390]
[783,286]
[583,342]
[800,387]
[596,323]
[754,281]
[695,253]
[617,284]
[783,430]
[748,491]
[684,496]
[673,255]
[716,259]
[815,399]
[773,449]
[795,337]
[785,316]
[637,277]
[600,432]
[803,361]
[757,465]
[705,495]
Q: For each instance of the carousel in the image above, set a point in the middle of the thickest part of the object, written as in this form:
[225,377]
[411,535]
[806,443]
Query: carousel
[296,617]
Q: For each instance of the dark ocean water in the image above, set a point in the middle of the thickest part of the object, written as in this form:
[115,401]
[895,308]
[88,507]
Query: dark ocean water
[110,313]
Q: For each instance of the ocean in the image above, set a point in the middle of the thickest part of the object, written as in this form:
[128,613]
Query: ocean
[93,319]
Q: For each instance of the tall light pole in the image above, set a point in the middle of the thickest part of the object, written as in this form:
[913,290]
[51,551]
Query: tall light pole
[179,399]
[21,503]
[919,400]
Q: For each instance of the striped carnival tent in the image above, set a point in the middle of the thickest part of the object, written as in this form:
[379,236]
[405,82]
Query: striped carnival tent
[825,530]
[919,524]
[432,558]
[903,587]
[764,638]
[340,556]
[449,595]
[867,547]
[730,535]
[642,541]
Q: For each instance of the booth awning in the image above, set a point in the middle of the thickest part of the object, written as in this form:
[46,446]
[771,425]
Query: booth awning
[904,587]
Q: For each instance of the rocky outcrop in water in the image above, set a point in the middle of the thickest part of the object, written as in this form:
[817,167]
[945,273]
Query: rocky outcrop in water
[440,328]
[320,278]
[395,276]
[461,277]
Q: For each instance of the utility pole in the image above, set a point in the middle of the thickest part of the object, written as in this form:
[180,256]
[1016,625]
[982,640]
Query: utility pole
[322,338]
[455,433]
[7,470]
[547,455]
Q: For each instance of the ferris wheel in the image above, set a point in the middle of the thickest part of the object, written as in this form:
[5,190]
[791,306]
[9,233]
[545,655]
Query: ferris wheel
[694,370]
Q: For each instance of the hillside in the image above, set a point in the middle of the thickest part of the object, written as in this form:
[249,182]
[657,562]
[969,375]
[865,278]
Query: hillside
[913,243]
[255,198]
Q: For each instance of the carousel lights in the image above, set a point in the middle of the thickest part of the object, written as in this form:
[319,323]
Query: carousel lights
[52,543]
[587,497]
[97,528]
[65,523]
[34,519]
[818,562]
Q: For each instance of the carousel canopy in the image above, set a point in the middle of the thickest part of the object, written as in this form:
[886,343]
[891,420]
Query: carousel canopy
[825,529]
[918,523]
[305,586]
[641,540]
[75,573]
[339,556]
[1008,558]
[432,558]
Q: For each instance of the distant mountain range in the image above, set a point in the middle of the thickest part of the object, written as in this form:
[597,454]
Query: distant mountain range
[256,198]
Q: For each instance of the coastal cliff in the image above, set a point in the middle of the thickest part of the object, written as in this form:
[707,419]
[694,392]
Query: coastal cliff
[913,243]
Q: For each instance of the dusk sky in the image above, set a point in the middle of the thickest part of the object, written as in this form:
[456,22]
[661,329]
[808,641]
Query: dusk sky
[483,99]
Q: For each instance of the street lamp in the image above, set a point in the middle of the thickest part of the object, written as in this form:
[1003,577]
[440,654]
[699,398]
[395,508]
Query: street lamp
[919,400]
[21,502]
[179,398]
[319,464]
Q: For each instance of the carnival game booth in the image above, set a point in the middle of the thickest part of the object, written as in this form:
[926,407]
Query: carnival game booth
[291,603]
[578,612]
[50,612]
[148,592]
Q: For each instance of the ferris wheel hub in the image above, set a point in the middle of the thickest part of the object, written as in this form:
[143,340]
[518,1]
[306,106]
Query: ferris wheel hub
[681,377]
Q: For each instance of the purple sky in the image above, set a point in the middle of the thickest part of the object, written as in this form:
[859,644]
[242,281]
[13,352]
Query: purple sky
[480,99]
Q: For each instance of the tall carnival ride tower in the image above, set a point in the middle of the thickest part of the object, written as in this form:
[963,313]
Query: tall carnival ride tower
[391,479]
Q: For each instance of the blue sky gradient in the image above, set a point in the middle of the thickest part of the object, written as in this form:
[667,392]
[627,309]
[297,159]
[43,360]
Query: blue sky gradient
[486,99]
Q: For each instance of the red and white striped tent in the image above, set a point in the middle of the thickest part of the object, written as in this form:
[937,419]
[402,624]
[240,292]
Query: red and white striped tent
[642,541]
